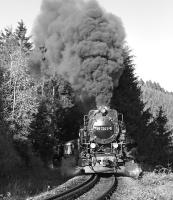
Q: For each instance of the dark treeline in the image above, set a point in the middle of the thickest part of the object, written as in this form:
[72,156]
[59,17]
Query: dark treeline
[40,112]
[150,131]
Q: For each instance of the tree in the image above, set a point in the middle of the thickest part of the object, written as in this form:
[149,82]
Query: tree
[11,40]
[1,102]
[127,100]
[155,97]
[23,40]
[61,98]
[9,158]
[19,99]
[42,133]
[148,131]
[19,94]
[161,138]
[57,119]
[8,45]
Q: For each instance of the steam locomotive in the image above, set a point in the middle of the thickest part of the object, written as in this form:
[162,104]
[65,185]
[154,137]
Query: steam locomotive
[102,143]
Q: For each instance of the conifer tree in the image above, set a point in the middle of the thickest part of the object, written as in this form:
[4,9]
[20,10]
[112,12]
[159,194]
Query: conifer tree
[161,138]
[57,117]
[127,100]
[155,96]
[42,133]
[23,40]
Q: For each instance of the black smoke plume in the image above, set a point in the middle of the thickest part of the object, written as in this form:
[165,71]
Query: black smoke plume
[84,44]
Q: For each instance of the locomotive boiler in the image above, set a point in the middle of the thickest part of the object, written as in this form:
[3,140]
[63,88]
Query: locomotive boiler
[102,141]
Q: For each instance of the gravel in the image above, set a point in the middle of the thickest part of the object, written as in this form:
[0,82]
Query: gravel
[77,180]
[100,188]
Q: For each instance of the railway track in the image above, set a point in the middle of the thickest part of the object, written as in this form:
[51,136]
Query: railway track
[102,190]
[77,191]
[95,188]
[108,192]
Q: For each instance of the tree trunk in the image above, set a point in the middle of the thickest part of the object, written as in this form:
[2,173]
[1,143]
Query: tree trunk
[14,99]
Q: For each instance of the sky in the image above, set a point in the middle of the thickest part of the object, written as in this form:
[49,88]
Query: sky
[148,25]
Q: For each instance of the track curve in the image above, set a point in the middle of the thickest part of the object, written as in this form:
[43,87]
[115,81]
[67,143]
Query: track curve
[76,191]
[109,192]
[103,189]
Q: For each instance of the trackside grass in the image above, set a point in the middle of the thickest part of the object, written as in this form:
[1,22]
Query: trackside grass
[25,183]
[152,186]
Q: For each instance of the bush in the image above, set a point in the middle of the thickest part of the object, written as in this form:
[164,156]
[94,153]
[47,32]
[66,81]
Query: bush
[9,159]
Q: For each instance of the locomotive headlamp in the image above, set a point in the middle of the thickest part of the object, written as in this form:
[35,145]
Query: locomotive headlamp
[93,145]
[115,145]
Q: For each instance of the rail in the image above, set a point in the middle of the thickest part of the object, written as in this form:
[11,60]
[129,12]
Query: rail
[76,191]
[108,193]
